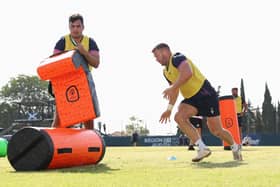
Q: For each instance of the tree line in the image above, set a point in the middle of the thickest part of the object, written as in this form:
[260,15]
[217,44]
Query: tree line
[25,95]
[26,98]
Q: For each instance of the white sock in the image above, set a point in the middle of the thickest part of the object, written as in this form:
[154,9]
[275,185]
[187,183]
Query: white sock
[200,144]
[234,147]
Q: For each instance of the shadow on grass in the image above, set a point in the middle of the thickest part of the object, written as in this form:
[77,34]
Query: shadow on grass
[244,149]
[99,168]
[230,164]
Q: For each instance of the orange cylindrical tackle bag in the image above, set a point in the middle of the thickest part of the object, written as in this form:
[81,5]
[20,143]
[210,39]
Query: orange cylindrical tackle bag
[49,148]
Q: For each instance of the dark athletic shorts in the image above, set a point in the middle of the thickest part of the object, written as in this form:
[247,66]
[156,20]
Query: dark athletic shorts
[240,120]
[206,101]
[196,122]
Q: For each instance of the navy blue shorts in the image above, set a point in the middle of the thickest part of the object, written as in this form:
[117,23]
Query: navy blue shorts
[206,101]
[196,122]
[240,120]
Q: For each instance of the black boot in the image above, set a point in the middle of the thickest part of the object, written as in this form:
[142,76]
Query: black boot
[191,148]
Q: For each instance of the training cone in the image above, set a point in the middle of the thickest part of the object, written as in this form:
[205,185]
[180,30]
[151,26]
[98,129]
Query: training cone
[50,148]
[172,158]
[3,147]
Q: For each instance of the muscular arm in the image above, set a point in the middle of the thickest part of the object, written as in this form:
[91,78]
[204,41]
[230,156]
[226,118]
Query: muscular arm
[55,51]
[244,107]
[172,100]
[185,72]
[92,56]
[165,117]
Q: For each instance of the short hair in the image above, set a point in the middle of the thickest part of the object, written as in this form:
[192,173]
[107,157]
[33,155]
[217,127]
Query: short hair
[75,17]
[236,89]
[161,46]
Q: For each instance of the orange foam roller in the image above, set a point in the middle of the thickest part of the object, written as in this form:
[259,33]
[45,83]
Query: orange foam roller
[73,97]
[49,148]
[229,118]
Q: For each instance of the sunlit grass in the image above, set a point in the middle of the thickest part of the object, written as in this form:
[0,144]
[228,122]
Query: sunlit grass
[149,166]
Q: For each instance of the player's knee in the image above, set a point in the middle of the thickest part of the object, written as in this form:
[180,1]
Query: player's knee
[216,132]
[178,117]
[181,118]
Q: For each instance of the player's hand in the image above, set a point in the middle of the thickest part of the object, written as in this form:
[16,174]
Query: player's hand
[165,117]
[169,93]
[81,49]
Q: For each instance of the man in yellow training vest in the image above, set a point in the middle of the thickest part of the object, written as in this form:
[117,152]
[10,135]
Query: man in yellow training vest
[241,108]
[88,48]
[200,98]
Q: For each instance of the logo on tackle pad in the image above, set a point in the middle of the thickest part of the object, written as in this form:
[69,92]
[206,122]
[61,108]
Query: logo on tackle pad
[72,94]
[229,122]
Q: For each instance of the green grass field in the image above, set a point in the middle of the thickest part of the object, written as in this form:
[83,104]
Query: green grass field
[149,166]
